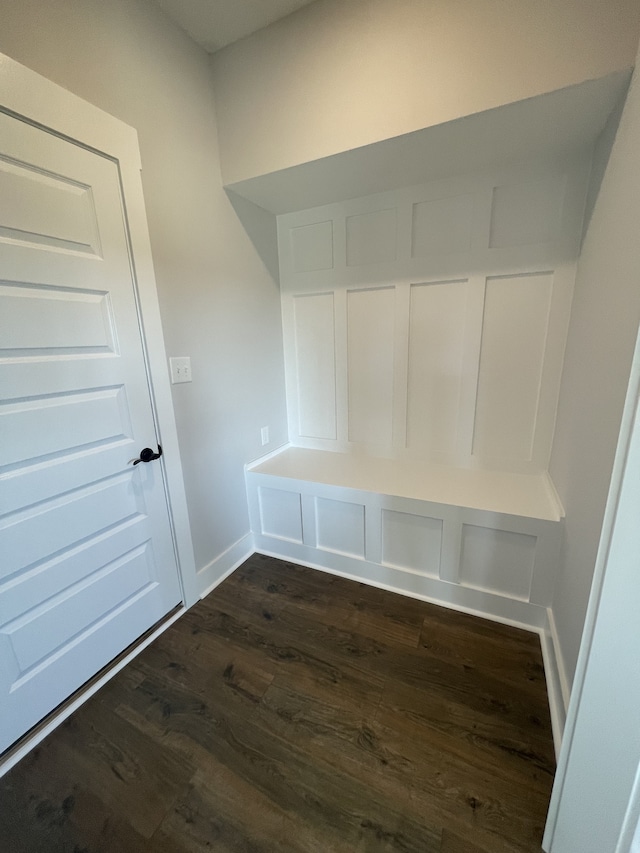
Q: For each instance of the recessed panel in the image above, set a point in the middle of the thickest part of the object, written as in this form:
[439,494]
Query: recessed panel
[49,321]
[411,542]
[52,527]
[497,561]
[50,211]
[514,334]
[312,247]
[43,630]
[436,364]
[370,319]
[442,226]
[340,527]
[372,238]
[315,365]
[72,421]
[526,213]
[281,514]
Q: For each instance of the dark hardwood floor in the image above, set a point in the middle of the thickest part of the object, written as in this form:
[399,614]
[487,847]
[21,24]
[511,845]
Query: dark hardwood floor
[296,711]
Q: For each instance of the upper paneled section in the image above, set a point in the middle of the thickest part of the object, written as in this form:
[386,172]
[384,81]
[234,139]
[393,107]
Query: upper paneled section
[372,237]
[526,213]
[512,220]
[430,323]
[312,247]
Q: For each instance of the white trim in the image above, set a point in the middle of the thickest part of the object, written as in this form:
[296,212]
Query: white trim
[553,493]
[30,96]
[30,742]
[211,575]
[630,832]
[557,686]
[565,686]
[26,93]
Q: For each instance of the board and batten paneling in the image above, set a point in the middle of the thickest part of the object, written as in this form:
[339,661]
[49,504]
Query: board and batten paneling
[497,561]
[430,322]
[315,365]
[439,316]
[370,344]
[514,337]
[411,542]
[371,237]
[312,247]
[442,226]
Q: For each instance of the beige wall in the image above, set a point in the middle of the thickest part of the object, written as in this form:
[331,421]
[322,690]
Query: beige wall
[339,74]
[219,304]
[602,335]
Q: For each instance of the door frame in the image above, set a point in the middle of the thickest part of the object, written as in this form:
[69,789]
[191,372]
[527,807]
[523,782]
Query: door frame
[28,95]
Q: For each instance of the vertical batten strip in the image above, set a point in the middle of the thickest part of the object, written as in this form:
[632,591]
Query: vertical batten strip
[342,367]
[373,528]
[450,550]
[290,366]
[308,510]
[401,367]
[476,291]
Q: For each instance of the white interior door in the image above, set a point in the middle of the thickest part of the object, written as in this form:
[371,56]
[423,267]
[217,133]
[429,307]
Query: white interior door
[87,556]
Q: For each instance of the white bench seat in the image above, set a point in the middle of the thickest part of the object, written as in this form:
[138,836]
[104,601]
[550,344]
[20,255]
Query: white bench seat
[482,541]
[527,495]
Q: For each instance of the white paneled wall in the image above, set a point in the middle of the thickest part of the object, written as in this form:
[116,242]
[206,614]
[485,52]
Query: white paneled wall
[370,343]
[430,322]
[512,352]
[442,364]
[314,355]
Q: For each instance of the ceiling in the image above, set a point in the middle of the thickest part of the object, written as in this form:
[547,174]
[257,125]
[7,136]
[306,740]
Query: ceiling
[213,24]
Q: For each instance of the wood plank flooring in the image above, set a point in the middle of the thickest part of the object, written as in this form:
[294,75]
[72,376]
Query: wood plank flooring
[293,710]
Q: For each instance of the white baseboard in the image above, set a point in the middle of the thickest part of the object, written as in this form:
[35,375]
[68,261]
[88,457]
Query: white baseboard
[557,683]
[565,686]
[56,719]
[518,614]
[225,564]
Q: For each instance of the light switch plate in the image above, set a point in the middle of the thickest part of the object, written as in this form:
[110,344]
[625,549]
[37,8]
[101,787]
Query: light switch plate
[180,369]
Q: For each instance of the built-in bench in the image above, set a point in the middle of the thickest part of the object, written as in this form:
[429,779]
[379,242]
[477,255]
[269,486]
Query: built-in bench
[478,540]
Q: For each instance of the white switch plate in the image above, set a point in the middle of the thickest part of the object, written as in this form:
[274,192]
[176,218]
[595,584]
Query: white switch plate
[180,369]
[264,435]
